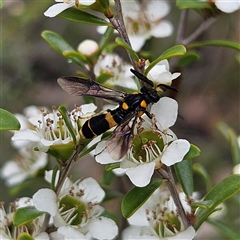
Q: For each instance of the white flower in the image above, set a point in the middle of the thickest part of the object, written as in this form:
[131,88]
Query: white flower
[113,65]
[76,211]
[65,4]
[88,47]
[51,131]
[146,20]
[8,231]
[158,218]
[227,6]
[24,165]
[160,146]
[160,73]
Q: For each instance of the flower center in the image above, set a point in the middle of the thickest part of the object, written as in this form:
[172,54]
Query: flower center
[165,222]
[73,211]
[147,147]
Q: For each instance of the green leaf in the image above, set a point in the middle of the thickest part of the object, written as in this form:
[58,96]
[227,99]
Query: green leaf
[182,4]
[111,166]
[218,194]
[72,55]
[178,50]
[61,46]
[197,167]
[227,231]
[25,236]
[77,15]
[68,122]
[188,58]
[25,215]
[232,139]
[8,121]
[137,196]
[1,4]
[184,174]
[193,152]
[216,43]
[108,177]
[120,42]
[202,204]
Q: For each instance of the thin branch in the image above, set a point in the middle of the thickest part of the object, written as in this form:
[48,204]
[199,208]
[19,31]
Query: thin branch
[181,26]
[174,193]
[118,24]
[203,27]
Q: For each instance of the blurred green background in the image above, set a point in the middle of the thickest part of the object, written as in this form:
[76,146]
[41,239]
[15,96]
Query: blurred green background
[209,91]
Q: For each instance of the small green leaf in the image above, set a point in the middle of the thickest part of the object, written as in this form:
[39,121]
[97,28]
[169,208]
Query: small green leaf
[61,46]
[25,236]
[184,174]
[227,231]
[77,15]
[232,139]
[68,122]
[111,166]
[137,196]
[193,152]
[120,42]
[25,215]
[8,121]
[182,4]
[108,177]
[197,167]
[203,204]
[74,54]
[178,50]
[188,58]
[218,194]
[216,43]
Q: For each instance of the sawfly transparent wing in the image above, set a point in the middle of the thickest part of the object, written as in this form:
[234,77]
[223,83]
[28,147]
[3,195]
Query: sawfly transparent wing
[78,86]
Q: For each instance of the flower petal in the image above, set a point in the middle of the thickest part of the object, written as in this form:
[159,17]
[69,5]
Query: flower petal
[175,152]
[188,233]
[141,175]
[92,190]
[57,8]
[97,228]
[227,6]
[70,233]
[163,29]
[102,156]
[165,110]
[43,196]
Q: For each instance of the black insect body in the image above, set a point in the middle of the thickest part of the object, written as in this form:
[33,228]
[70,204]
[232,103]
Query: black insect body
[131,106]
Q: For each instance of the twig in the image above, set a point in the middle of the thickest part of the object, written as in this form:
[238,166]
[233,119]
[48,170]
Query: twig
[181,26]
[174,193]
[203,27]
[118,24]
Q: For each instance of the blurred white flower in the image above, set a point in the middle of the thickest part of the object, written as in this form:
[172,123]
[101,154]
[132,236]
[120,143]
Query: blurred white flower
[113,65]
[24,165]
[65,4]
[146,20]
[158,218]
[88,47]
[227,6]
[76,211]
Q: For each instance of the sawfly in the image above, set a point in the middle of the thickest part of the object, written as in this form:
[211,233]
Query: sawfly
[124,117]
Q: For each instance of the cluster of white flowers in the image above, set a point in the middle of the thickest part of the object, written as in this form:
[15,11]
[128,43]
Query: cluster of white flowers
[158,218]
[75,213]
